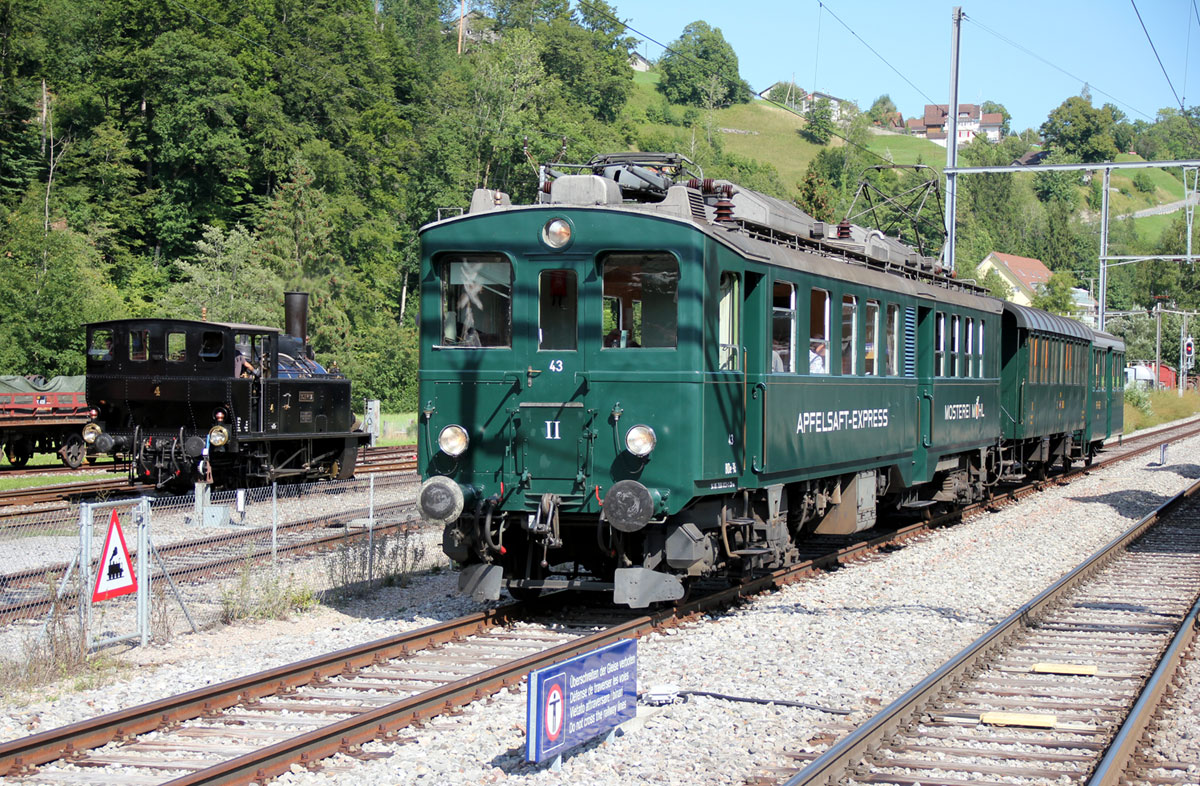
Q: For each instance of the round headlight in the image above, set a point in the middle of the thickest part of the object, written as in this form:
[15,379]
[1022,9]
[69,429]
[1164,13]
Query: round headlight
[453,440]
[218,436]
[640,440]
[91,432]
[556,233]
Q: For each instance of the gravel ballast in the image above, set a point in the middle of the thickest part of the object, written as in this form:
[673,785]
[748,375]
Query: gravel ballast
[854,639]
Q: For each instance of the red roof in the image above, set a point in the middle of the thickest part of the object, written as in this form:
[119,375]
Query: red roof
[935,114]
[1030,272]
[991,119]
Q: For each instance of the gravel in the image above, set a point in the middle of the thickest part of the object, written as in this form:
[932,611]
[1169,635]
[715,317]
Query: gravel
[853,639]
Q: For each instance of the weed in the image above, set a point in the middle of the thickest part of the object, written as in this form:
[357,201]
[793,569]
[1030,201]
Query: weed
[270,597]
[387,559]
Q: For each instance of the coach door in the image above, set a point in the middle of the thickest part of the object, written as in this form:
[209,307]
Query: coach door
[927,355]
[552,421]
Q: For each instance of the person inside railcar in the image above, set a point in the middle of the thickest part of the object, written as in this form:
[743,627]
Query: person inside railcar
[816,358]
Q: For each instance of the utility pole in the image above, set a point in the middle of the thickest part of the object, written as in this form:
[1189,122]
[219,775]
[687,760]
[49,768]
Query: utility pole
[462,20]
[952,141]
[1157,344]
[1183,334]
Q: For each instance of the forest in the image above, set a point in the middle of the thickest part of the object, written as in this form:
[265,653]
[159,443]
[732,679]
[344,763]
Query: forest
[164,157]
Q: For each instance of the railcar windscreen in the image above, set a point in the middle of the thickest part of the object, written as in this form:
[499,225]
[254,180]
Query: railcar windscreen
[100,346]
[641,301]
[476,301]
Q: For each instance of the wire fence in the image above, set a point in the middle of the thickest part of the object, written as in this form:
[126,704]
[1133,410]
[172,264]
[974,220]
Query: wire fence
[70,580]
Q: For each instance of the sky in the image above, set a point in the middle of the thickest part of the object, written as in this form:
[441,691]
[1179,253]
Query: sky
[1014,52]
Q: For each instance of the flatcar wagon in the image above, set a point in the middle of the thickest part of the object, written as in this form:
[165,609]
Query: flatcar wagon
[646,377]
[233,404]
[39,415]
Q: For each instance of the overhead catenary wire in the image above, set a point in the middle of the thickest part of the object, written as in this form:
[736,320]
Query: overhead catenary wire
[1154,49]
[871,49]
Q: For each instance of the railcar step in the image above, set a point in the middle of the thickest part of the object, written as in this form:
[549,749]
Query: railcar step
[751,552]
[741,522]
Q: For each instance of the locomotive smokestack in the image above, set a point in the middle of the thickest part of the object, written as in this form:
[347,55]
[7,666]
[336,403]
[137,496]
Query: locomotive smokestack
[295,314]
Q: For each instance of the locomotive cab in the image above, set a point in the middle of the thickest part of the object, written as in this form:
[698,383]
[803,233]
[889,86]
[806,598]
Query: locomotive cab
[230,403]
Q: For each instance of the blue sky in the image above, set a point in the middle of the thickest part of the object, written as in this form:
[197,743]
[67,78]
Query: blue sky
[1100,42]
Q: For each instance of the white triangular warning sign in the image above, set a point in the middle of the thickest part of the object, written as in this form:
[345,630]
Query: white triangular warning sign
[114,573]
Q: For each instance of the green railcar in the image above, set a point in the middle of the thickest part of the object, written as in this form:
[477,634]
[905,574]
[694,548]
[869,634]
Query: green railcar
[641,379]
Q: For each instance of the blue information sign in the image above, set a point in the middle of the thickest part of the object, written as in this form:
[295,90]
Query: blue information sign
[581,698]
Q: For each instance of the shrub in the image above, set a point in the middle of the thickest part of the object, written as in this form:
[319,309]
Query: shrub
[1143,183]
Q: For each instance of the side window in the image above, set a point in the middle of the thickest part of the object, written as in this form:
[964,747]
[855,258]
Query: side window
[818,332]
[849,333]
[100,346]
[783,328]
[955,347]
[557,309]
[641,300]
[476,301]
[939,346]
[871,348]
[176,347]
[728,342]
[139,345]
[982,371]
[893,340]
[970,367]
[212,345]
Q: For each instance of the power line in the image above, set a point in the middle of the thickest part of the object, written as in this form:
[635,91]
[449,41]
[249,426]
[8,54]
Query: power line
[1154,49]
[1056,67]
[872,50]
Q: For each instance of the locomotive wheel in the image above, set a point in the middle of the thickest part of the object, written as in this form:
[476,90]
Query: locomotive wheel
[73,451]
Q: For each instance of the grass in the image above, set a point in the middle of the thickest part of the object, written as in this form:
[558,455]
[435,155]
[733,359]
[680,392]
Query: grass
[1157,407]
[903,149]
[264,597]
[397,429]
[8,484]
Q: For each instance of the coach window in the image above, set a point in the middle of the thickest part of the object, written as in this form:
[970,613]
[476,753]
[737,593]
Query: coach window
[557,318]
[100,346]
[641,300]
[893,340]
[982,372]
[969,349]
[476,301]
[849,333]
[871,348]
[139,345]
[783,328]
[939,345]
[955,347]
[728,341]
[176,347]
[818,332]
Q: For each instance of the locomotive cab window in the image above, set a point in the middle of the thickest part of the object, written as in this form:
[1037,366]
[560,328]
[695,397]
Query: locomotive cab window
[139,345]
[728,319]
[249,352]
[783,328]
[557,309]
[476,301]
[176,347]
[641,301]
[212,346]
[818,332]
[100,346]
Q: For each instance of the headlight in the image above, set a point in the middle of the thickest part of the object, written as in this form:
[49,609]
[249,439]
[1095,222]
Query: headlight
[218,436]
[453,440]
[640,440]
[556,233]
[91,432]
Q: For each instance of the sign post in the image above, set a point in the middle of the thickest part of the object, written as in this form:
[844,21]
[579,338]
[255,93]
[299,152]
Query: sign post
[575,701]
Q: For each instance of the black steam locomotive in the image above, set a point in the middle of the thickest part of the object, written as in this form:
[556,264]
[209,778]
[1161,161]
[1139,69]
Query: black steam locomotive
[236,405]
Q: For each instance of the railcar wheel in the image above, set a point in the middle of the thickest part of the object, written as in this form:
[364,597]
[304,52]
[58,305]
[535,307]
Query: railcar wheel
[73,451]
[19,452]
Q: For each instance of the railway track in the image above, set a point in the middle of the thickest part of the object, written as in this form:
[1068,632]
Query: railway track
[1063,688]
[260,725]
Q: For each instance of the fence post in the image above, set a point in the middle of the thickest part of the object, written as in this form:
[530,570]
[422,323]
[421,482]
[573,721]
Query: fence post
[85,570]
[371,532]
[274,521]
[143,569]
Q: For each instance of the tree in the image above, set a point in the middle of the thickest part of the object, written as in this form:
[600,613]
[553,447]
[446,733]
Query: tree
[882,109]
[592,64]
[1078,129]
[788,94]
[700,53]
[1055,295]
[819,128]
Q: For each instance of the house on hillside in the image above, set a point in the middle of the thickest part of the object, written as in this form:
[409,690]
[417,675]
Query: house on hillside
[801,100]
[475,28]
[638,63]
[1023,275]
[892,122]
[934,124]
